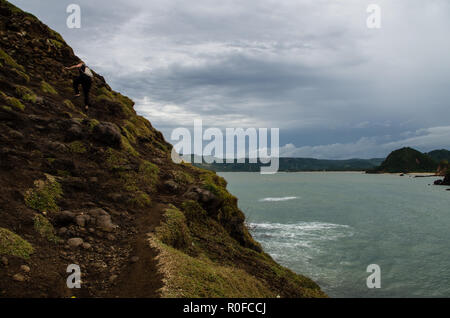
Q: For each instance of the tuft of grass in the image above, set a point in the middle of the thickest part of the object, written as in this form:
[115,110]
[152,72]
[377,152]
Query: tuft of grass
[10,61]
[140,126]
[47,88]
[14,245]
[128,132]
[43,196]
[115,160]
[23,75]
[128,147]
[137,184]
[103,94]
[174,231]
[12,102]
[148,173]
[77,147]
[57,36]
[43,226]
[182,177]
[186,276]
[55,43]
[132,184]
[17,104]
[193,211]
[139,199]
[26,94]
[72,107]
[92,124]
[69,104]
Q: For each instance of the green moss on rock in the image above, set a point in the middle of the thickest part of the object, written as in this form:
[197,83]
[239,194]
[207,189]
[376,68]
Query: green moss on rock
[174,231]
[115,160]
[14,245]
[26,94]
[47,88]
[12,102]
[77,147]
[128,147]
[10,61]
[45,229]
[148,173]
[44,195]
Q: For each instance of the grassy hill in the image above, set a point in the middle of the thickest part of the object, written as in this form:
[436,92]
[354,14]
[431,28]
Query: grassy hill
[440,155]
[406,160]
[99,189]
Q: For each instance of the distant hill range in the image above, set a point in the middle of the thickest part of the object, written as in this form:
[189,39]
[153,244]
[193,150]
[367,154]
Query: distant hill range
[407,159]
[297,164]
[440,155]
[399,161]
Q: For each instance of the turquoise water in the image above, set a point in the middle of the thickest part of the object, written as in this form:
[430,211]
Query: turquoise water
[331,226]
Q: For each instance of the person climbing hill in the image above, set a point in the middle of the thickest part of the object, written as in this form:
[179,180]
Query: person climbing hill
[84,79]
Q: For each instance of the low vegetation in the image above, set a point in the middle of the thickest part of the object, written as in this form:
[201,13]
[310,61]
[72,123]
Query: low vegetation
[10,61]
[11,102]
[13,245]
[199,259]
[47,88]
[45,229]
[77,147]
[44,195]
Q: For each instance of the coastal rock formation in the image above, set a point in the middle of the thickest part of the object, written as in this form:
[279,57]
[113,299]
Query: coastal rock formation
[99,189]
[445,181]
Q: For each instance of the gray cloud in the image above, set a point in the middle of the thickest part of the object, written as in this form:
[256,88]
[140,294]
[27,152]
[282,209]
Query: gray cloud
[310,67]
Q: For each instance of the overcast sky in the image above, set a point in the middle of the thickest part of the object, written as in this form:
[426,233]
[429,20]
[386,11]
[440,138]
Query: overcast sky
[312,68]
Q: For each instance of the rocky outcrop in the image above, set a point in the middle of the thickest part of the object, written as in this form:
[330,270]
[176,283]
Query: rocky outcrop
[445,181]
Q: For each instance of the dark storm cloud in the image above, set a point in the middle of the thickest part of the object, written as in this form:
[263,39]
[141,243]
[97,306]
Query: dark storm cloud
[312,68]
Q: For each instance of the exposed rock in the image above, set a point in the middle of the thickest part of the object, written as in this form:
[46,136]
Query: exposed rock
[75,132]
[74,242]
[65,218]
[103,220]
[5,261]
[172,186]
[107,134]
[19,278]
[57,146]
[80,220]
[25,268]
[62,231]
[86,246]
[445,181]
[116,197]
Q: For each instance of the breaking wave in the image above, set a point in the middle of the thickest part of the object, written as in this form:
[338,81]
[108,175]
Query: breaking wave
[277,199]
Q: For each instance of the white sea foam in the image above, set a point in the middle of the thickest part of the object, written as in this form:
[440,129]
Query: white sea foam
[277,199]
[283,239]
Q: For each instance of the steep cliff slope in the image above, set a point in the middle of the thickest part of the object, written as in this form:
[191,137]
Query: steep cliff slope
[99,190]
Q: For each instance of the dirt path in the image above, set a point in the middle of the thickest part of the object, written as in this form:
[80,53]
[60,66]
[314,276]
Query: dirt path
[141,278]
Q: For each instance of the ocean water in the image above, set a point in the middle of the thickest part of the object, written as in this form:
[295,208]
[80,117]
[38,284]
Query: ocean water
[330,226]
